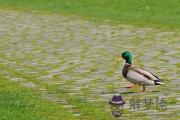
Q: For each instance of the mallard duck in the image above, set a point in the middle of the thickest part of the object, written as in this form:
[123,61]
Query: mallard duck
[138,76]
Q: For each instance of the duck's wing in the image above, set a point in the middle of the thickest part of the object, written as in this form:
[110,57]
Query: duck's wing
[144,73]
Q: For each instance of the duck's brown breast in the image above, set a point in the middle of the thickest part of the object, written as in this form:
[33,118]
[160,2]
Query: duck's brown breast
[125,69]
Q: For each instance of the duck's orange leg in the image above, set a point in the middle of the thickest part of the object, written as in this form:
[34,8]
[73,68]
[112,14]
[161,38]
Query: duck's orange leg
[143,89]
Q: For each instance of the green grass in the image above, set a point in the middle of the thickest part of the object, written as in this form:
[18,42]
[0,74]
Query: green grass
[20,103]
[161,13]
[92,111]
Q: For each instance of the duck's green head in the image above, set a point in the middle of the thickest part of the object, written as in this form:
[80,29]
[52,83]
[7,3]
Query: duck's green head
[127,56]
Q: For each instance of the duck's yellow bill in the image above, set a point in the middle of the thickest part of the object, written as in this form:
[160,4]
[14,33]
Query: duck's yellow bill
[120,59]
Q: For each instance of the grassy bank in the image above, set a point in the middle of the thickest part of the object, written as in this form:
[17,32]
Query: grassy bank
[20,103]
[153,13]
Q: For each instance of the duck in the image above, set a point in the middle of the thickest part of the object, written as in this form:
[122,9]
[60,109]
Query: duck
[136,75]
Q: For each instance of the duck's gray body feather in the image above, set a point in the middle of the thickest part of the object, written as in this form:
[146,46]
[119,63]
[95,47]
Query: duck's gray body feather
[139,76]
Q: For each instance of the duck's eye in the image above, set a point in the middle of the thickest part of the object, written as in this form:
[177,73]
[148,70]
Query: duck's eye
[123,55]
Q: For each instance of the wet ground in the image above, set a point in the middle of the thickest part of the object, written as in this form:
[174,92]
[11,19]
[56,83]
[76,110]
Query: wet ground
[79,57]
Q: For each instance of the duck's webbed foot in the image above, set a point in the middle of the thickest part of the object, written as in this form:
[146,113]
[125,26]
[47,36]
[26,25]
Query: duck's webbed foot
[131,85]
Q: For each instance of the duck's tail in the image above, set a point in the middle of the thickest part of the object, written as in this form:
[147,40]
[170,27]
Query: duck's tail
[158,82]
